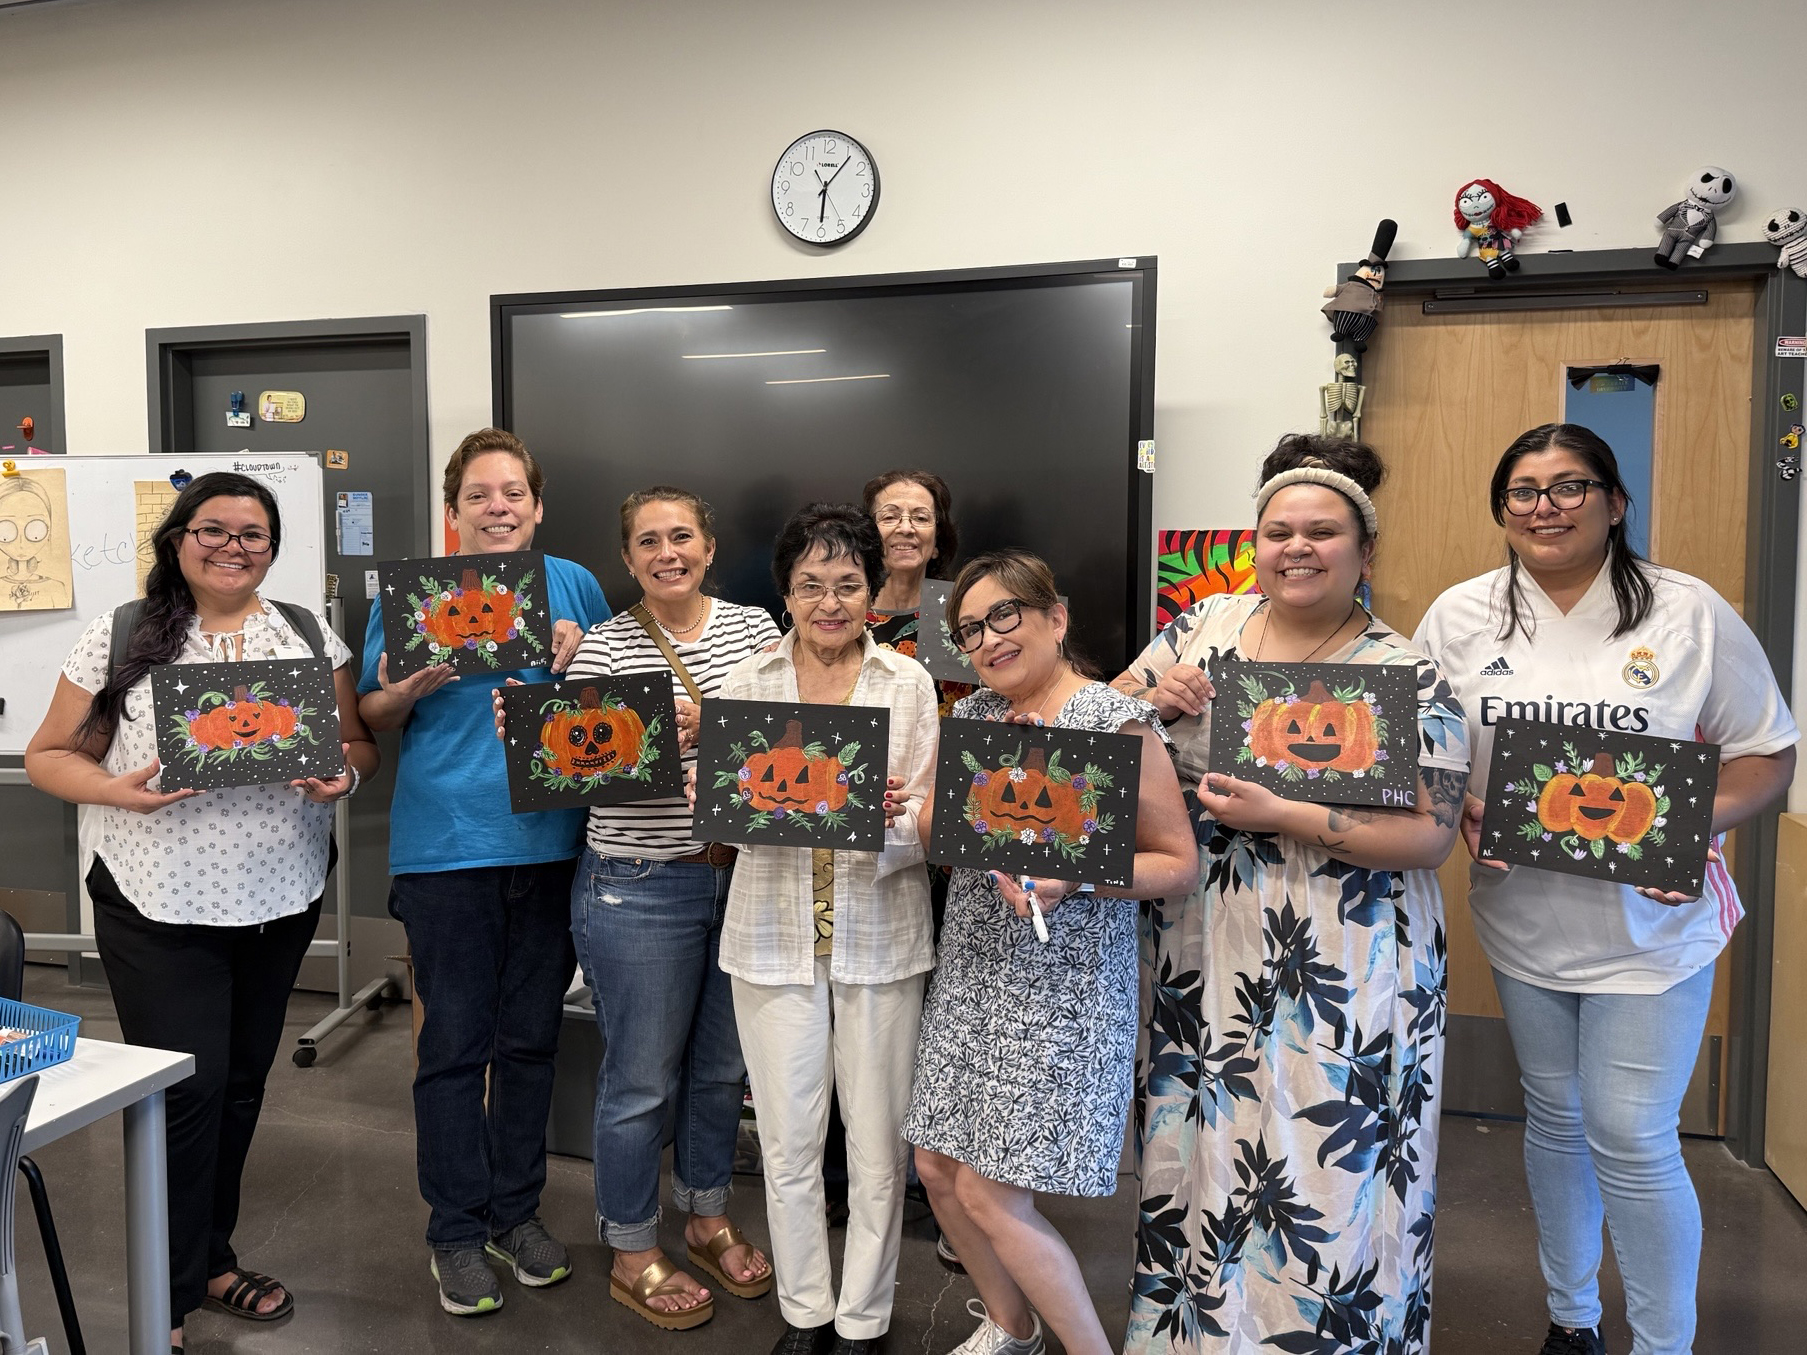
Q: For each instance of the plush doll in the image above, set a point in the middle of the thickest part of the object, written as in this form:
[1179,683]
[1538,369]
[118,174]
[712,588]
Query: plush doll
[1689,226]
[1354,306]
[1340,401]
[1490,221]
[1787,231]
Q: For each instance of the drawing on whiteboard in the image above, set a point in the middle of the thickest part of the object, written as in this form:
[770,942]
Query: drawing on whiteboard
[35,574]
[151,502]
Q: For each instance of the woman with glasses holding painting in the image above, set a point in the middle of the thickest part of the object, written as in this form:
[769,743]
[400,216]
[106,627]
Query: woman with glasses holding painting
[1028,1039]
[1605,987]
[828,950]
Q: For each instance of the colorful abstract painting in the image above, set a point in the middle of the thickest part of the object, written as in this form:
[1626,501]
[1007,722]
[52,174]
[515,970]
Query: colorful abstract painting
[245,724]
[1193,565]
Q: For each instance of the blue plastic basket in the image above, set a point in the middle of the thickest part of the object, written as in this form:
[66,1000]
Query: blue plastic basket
[52,1039]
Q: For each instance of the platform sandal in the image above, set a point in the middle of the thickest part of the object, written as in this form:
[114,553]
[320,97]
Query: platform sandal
[709,1258]
[654,1281]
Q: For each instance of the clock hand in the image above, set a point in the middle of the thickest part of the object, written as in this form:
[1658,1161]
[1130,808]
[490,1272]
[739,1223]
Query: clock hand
[838,168]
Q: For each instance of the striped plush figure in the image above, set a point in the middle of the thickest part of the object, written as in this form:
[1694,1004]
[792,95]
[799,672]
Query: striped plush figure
[1787,231]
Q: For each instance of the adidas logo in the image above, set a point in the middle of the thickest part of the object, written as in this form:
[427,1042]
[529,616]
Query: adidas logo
[1498,668]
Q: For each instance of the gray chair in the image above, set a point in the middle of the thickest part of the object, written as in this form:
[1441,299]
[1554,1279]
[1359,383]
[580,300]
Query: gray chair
[15,1105]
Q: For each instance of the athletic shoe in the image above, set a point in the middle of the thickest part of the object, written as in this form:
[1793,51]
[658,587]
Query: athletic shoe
[991,1339]
[805,1340]
[467,1286]
[1567,1341]
[537,1258]
[945,1253]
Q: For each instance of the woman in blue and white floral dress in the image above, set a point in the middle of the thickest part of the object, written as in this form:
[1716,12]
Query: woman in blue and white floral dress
[1290,1070]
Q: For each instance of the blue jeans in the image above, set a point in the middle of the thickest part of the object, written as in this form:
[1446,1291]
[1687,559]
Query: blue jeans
[649,936]
[492,961]
[1603,1075]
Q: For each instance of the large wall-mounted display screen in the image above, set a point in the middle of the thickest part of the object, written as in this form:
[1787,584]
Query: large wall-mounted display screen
[1027,389]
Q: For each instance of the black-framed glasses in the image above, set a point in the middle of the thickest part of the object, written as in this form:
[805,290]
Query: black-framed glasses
[253,542]
[1521,500]
[1003,618]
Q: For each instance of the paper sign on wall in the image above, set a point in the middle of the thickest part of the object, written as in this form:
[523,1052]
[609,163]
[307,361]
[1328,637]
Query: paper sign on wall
[282,407]
[355,517]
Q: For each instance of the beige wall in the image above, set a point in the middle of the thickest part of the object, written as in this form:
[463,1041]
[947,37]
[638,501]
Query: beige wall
[172,162]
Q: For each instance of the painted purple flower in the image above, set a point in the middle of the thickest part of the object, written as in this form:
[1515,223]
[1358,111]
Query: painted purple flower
[821,806]
[1248,724]
[1311,773]
[1380,755]
[1636,776]
[840,778]
[1047,835]
[512,632]
[1089,826]
[1280,766]
[192,714]
[979,778]
[778,813]
[1079,783]
[282,701]
[980,826]
[470,644]
[420,630]
[1560,766]
[1546,837]
[457,592]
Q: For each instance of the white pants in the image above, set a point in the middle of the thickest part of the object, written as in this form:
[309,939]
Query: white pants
[799,1043]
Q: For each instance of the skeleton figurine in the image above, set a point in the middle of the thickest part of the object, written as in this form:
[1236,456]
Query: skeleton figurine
[1787,231]
[1340,401]
[1691,225]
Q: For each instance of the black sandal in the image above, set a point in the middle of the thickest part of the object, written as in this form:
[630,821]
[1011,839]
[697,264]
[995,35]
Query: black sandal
[244,1294]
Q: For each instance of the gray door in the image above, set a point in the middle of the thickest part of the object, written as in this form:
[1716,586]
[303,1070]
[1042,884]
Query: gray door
[361,395]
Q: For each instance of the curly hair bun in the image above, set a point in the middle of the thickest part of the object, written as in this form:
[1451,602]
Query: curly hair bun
[1360,462]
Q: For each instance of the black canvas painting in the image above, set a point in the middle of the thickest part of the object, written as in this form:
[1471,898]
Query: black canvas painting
[1037,800]
[1630,808]
[245,724]
[478,613]
[935,648]
[591,741]
[1327,733]
[793,775]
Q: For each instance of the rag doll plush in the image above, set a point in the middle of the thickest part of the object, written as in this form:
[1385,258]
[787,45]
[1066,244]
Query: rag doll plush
[1689,226]
[1787,231]
[1489,220]
[1354,306]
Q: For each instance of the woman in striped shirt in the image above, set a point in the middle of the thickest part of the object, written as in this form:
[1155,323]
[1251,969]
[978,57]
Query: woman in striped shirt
[646,914]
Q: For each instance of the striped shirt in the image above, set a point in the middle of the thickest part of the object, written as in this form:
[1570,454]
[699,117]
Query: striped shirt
[660,830]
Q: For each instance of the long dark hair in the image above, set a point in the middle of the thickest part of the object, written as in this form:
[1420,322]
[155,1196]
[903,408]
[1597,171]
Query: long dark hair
[1630,582]
[168,604]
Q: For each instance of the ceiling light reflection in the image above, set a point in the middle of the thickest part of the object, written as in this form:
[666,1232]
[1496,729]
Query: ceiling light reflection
[643,310]
[814,380]
[774,353]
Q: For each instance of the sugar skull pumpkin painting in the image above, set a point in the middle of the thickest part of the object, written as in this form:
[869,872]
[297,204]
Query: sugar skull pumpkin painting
[1325,732]
[1036,800]
[1625,807]
[475,613]
[245,724]
[591,740]
[792,774]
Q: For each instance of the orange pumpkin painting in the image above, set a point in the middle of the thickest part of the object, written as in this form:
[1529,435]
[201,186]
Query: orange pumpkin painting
[792,781]
[1029,797]
[596,738]
[475,616]
[1592,805]
[219,728]
[1316,730]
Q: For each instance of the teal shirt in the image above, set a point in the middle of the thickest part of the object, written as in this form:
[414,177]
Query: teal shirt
[450,810]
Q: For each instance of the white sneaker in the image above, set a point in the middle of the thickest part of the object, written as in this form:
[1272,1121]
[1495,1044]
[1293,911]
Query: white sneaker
[991,1339]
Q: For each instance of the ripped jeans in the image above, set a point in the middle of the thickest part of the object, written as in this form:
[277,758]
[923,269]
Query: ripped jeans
[648,936]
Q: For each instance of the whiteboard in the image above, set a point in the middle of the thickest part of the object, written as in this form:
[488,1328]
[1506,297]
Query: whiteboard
[103,547]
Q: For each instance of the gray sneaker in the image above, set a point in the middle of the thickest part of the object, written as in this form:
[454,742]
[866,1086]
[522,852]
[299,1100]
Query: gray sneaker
[537,1257]
[467,1286]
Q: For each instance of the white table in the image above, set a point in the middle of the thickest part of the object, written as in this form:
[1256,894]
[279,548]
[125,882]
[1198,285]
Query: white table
[100,1079]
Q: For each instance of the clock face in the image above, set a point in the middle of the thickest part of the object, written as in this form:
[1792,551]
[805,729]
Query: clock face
[825,188]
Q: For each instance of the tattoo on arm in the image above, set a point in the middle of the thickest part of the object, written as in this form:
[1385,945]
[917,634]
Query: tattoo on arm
[1445,790]
[1342,818]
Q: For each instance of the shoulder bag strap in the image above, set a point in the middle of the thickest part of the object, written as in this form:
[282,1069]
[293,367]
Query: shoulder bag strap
[125,621]
[306,625]
[652,628]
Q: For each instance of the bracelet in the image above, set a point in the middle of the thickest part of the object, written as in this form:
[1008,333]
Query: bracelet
[357,780]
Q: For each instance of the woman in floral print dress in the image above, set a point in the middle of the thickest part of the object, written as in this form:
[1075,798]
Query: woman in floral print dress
[1289,1074]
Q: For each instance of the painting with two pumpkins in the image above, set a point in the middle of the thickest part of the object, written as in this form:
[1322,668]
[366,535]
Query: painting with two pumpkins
[1631,808]
[245,724]
[480,614]
[1328,733]
[788,774]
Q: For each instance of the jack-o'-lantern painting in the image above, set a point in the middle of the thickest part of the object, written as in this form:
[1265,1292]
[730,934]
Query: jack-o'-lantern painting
[245,723]
[792,774]
[1600,803]
[471,612]
[591,740]
[1031,797]
[1331,733]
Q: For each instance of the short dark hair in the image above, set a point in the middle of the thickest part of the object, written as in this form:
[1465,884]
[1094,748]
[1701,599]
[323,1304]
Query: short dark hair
[947,536]
[1027,578]
[490,440]
[839,529]
[1360,462]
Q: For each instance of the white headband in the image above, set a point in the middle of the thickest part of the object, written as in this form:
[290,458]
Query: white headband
[1321,475]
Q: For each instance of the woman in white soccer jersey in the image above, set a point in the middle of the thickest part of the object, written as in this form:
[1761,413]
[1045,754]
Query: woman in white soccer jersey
[1605,987]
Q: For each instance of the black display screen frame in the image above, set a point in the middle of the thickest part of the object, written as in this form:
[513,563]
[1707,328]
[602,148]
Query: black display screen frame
[1142,272]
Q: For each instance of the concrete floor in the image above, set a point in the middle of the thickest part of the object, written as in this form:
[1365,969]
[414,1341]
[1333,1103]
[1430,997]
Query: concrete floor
[331,1208]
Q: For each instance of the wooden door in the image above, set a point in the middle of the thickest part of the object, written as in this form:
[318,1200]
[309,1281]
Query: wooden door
[1448,393]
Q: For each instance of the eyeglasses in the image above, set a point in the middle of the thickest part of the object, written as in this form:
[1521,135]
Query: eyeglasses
[814,592]
[1521,500]
[894,516]
[214,538]
[1003,618]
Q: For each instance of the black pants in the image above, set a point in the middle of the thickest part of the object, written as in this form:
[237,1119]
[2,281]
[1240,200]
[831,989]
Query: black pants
[219,993]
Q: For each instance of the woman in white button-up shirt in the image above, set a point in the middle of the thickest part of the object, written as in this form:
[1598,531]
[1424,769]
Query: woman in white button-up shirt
[829,957]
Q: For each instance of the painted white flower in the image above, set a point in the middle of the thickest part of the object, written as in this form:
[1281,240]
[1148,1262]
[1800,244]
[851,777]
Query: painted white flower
[1661,819]
[1018,774]
[1026,837]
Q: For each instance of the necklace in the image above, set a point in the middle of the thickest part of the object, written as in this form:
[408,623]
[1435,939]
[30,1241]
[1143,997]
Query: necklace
[1262,642]
[702,608]
[1047,692]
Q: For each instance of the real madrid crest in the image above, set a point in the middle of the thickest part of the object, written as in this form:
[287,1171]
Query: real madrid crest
[1642,671]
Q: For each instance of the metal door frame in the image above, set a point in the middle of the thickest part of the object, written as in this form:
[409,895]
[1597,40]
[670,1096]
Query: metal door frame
[51,346]
[1772,515]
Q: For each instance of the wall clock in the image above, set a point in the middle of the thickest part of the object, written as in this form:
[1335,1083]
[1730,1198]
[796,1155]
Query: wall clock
[825,188]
